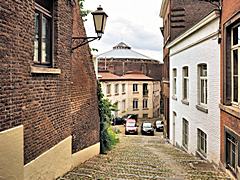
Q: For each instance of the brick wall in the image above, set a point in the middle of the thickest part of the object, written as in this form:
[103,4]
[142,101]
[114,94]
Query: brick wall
[185,14]
[42,102]
[84,106]
[229,9]
[152,69]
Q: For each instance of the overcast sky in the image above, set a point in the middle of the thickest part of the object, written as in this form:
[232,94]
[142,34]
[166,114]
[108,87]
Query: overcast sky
[134,22]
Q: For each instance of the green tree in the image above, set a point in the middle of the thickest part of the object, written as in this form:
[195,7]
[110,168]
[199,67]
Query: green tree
[84,12]
[108,137]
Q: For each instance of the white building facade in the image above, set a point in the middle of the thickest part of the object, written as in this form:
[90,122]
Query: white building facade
[195,89]
[132,93]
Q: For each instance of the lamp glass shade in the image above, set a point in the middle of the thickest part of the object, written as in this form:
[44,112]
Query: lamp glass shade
[100,18]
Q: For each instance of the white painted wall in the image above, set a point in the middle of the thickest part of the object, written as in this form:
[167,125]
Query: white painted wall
[186,54]
[129,96]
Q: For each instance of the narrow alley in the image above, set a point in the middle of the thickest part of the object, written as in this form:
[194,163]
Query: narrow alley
[145,157]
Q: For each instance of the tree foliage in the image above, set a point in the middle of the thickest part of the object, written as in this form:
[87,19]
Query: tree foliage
[108,137]
[84,12]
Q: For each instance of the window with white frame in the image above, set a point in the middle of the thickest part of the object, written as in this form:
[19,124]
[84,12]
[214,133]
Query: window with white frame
[174,82]
[203,84]
[135,104]
[43,32]
[232,151]
[116,88]
[145,103]
[108,89]
[202,142]
[135,87]
[185,133]
[185,83]
[235,65]
[123,88]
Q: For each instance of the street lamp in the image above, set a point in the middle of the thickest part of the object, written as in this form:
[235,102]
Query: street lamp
[99,18]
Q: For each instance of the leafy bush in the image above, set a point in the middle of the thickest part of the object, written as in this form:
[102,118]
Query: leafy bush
[108,137]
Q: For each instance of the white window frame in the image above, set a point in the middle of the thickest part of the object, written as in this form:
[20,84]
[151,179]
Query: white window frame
[202,138]
[135,103]
[185,75]
[174,90]
[204,79]
[135,87]
[234,48]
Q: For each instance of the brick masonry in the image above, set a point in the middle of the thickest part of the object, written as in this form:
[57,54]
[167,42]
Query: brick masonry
[229,9]
[150,68]
[51,107]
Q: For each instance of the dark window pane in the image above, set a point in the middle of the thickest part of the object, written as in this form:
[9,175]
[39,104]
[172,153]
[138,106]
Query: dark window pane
[236,35]
[47,4]
[235,88]
[235,62]
[202,91]
[205,91]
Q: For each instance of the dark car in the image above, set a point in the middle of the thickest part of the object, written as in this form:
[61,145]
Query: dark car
[147,128]
[117,121]
[159,125]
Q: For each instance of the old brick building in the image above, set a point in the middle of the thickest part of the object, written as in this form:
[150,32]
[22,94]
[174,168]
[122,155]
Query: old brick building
[178,16]
[122,59]
[48,102]
[230,93]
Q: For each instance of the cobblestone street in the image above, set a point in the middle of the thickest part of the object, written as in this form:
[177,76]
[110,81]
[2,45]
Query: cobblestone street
[145,157]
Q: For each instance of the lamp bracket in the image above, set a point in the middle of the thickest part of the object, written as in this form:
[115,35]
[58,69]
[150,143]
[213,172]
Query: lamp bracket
[80,41]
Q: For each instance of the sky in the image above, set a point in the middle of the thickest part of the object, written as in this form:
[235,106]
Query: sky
[134,22]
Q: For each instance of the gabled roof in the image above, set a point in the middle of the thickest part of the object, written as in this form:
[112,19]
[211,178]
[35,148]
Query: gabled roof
[123,51]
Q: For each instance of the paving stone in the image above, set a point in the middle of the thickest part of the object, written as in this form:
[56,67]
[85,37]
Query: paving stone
[145,157]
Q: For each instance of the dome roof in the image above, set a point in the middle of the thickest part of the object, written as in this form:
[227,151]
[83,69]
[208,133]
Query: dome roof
[122,51]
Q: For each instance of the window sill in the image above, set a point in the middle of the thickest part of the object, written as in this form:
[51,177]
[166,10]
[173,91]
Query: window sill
[116,94]
[108,95]
[202,108]
[145,108]
[174,97]
[135,92]
[44,70]
[123,93]
[135,109]
[184,148]
[185,101]
[235,111]
[201,155]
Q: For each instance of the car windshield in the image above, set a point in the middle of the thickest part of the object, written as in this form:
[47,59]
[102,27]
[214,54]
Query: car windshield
[147,125]
[158,123]
[130,124]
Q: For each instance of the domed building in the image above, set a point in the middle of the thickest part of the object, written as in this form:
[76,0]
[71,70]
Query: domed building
[122,59]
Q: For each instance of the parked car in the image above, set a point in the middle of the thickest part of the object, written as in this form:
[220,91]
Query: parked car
[131,127]
[117,121]
[147,128]
[130,116]
[159,125]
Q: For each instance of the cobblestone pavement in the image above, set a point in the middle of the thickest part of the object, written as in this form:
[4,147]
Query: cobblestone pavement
[145,157]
